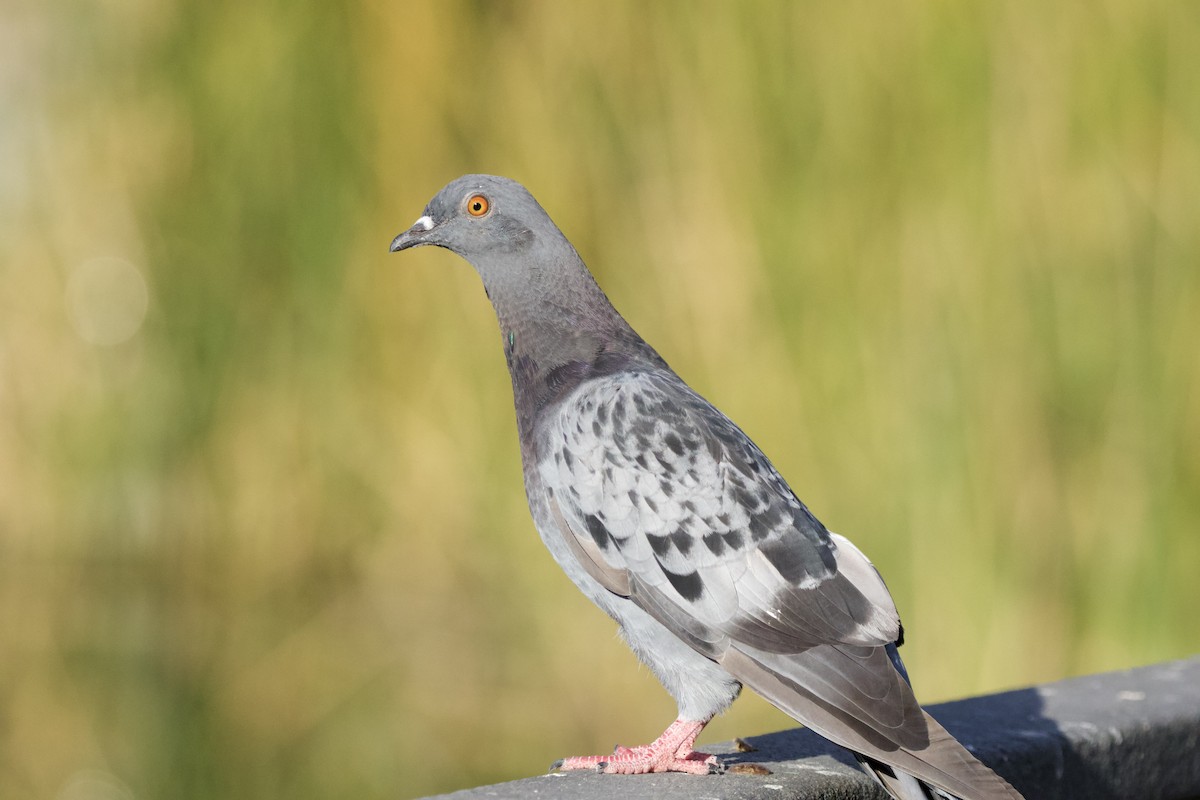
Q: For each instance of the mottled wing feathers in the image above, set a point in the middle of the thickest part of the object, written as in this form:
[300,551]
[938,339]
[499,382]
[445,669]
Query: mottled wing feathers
[672,504]
[615,579]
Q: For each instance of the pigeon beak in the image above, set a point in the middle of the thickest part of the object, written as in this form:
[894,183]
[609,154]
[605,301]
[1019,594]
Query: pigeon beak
[414,236]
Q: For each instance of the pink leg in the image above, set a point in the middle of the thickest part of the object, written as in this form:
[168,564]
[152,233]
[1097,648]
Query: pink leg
[671,752]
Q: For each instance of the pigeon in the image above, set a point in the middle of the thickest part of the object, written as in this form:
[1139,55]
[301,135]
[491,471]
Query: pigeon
[672,521]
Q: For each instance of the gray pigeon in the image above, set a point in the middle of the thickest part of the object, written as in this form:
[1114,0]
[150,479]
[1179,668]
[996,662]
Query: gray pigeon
[666,515]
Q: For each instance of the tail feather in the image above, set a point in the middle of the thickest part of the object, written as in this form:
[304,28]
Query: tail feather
[900,785]
[812,687]
[943,771]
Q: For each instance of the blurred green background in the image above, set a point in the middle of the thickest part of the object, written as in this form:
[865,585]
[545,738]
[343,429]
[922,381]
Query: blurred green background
[262,532]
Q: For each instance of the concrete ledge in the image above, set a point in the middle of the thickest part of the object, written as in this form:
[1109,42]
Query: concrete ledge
[1130,734]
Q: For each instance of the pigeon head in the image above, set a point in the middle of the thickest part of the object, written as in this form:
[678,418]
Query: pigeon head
[557,324]
[530,271]
[482,218]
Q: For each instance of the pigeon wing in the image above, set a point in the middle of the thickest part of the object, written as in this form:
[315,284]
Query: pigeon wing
[664,499]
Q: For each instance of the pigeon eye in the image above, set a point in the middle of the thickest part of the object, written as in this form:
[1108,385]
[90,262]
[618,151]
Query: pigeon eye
[478,205]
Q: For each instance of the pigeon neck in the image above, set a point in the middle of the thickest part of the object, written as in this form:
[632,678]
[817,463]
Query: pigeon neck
[553,312]
[559,330]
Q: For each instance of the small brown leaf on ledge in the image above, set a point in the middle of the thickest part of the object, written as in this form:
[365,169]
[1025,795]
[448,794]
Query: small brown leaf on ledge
[743,747]
[747,769]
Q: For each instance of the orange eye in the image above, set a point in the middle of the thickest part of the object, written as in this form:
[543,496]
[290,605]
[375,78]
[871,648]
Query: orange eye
[478,205]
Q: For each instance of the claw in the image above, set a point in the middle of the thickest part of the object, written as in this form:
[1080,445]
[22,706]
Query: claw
[671,752]
[556,766]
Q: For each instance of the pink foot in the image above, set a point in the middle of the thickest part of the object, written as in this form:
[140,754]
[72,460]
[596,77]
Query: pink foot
[671,752]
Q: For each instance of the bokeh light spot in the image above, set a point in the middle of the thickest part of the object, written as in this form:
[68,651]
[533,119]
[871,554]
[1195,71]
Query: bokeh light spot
[94,784]
[107,300]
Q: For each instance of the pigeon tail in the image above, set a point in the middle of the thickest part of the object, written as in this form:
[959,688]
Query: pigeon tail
[914,758]
[948,758]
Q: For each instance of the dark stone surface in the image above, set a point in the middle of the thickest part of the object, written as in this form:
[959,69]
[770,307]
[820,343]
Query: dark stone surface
[1129,734]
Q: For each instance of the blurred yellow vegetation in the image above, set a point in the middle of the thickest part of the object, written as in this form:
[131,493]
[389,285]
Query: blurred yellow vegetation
[268,539]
